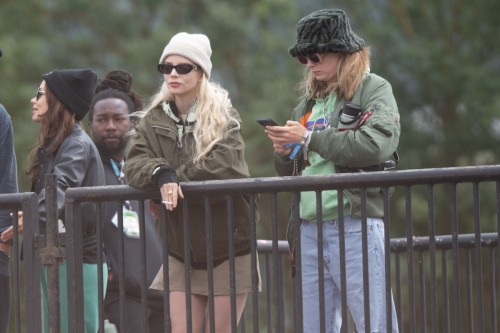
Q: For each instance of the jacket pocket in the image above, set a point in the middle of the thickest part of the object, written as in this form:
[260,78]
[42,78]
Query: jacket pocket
[168,144]
[384,118]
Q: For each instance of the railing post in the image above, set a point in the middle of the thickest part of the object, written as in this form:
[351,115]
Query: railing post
[456,263]
[409,251]
[31,263]
[298,265]
[255,277]
[52,255]
[276,280]
[210,265]
[479,266]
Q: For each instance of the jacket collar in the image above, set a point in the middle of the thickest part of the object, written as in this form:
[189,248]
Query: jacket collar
[76,130]
[160,119]
[173,112]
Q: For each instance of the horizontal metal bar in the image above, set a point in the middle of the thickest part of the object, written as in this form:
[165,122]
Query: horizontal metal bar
[465,241]
[399,244]
[291,184]
[14,200]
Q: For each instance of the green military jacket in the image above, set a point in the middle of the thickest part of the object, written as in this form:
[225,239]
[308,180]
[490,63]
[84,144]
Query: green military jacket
[157,142]
[373,143]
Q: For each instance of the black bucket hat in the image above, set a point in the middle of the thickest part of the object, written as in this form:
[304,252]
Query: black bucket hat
[75,88]
[325,31]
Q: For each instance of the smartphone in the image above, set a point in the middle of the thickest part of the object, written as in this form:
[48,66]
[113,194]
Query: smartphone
[266,122]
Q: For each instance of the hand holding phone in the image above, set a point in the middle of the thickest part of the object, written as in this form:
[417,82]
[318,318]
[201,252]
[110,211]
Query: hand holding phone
[263,121]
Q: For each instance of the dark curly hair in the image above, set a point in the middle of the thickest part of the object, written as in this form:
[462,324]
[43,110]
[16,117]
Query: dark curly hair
[117,84]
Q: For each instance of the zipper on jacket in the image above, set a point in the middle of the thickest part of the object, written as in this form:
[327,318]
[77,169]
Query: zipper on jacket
[179,151]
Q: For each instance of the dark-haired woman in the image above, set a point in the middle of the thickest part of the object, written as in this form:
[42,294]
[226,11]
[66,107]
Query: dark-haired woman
[337,72]
[64,149]
[109,123]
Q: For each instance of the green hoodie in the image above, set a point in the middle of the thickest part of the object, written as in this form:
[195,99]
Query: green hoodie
[373,143]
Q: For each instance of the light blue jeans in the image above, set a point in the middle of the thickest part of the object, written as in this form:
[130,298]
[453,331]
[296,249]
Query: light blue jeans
[354,275]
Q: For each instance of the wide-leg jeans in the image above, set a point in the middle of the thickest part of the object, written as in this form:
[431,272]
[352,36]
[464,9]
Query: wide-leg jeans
[354,275]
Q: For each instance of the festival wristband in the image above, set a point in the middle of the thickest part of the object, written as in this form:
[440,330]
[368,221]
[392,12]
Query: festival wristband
[297,146]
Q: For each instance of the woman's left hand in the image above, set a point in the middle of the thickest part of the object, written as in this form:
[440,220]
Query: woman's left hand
[291,133]
[171,192]
[9,233]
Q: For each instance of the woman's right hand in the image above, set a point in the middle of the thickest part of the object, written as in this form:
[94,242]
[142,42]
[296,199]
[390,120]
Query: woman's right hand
[9,233]
[280,149]
[154,209]
[278,146]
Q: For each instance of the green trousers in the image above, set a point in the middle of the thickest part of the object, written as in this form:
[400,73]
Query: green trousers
[90,296]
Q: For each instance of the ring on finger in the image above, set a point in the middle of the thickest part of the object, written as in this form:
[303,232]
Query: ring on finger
[170,192]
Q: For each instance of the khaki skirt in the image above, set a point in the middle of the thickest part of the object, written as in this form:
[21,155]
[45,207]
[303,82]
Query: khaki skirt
[199,277]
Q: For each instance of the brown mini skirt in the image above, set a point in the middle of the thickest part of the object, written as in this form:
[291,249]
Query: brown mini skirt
[199,277]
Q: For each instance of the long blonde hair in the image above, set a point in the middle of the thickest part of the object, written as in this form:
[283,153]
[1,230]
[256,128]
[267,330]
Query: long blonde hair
[351,70]
[214,118]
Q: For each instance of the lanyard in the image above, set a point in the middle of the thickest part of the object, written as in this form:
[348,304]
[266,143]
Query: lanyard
[117,171]
[120,179]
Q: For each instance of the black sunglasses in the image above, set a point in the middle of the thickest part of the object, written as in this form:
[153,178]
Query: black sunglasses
[314,58]
[39,92]
[180,68]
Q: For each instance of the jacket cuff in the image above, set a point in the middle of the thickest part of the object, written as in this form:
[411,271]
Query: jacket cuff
[165,174]
[285,158]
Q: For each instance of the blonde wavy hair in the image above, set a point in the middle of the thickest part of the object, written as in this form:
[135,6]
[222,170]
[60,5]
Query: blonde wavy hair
[214,118]
[351,71]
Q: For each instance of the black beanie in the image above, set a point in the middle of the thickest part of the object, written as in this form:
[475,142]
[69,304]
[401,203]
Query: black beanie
[74,88]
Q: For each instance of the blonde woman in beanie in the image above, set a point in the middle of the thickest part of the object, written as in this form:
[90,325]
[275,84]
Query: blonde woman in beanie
[346,122]
[191,132]
[64,149]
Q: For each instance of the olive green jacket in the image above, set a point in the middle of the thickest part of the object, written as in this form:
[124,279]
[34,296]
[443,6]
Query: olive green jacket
[156,142]
[373,143]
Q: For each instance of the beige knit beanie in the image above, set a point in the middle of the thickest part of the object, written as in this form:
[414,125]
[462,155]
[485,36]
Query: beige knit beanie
[195,47]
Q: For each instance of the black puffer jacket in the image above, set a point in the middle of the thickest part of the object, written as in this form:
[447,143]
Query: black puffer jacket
[76,164]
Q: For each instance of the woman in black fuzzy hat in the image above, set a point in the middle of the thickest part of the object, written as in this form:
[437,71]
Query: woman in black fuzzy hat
[347,122]
[64,149]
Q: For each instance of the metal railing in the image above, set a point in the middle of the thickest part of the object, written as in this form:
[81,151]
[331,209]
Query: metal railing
[272,186]
[399,246]
[28,204]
